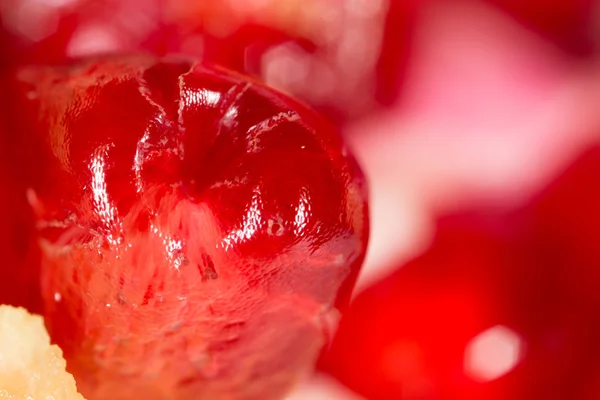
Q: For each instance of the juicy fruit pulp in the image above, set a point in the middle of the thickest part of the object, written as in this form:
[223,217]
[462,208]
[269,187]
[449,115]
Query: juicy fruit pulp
[198,230]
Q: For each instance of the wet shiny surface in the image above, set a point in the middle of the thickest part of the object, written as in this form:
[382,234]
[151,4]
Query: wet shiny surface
[187,215]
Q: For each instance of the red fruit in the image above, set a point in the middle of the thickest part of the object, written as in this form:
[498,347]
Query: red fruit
[200,229]
[481,315]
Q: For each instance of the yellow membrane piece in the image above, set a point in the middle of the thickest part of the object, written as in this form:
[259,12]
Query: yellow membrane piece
[31,368]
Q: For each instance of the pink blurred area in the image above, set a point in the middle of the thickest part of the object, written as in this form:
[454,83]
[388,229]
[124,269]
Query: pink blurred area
[489,114]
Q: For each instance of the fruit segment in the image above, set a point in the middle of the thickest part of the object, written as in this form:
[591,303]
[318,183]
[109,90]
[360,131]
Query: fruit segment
[31,368]
[199,230]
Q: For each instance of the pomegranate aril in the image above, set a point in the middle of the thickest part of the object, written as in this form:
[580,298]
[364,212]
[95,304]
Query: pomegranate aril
[202,212]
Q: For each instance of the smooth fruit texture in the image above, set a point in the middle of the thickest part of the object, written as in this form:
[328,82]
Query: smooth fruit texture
[199,230]
[19,273]
[31,368]
[570,24]
[566,221]
[567,228]
[501,306]
[407,336]
[19,264]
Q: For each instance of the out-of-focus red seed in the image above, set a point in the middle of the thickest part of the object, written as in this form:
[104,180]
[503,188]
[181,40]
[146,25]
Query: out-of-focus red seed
[500,306]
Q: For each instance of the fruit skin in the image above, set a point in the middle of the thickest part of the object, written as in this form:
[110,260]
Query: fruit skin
[199,231]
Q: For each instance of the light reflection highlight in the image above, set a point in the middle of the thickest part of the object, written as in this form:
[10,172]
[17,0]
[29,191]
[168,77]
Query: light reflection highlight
[493,353]
[103,207]
[251,222]
[94,39]
[31,19]
[303,211]
[203,97]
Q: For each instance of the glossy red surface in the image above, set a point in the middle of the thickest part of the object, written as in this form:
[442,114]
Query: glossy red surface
[501,306]
[199,230]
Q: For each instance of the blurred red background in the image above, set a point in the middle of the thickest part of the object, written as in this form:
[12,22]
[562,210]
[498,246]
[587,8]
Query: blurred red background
[476,123]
